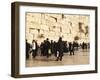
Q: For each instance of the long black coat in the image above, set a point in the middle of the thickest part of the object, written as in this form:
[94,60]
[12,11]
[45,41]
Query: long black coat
[27,49]
[71,47]
[60,46]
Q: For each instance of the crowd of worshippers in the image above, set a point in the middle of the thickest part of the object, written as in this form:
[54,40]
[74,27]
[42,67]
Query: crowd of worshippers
[48,48]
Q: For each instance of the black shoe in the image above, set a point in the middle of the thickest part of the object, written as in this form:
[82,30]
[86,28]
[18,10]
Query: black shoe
[56,59]
[34,56]
[60,59]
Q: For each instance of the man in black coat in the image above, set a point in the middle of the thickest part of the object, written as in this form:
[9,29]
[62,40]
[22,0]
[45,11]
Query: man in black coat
[27,49]
[47,47]
[60,47]
[52,47]
[83,46]
[71,48]
[34,48]
[55,48]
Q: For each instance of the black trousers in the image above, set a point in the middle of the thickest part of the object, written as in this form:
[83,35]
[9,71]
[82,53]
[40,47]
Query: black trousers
[27,55]
[60,55]
[34,53]
[71,52]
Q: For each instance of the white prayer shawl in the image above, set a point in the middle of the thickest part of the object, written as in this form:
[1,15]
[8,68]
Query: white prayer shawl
[33,45]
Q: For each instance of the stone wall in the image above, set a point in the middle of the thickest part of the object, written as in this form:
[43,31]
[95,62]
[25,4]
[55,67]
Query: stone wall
[40,26]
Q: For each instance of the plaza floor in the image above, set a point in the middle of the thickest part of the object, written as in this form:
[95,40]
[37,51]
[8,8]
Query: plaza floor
[80,58]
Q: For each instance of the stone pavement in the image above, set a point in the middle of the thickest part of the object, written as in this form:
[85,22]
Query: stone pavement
[80,58]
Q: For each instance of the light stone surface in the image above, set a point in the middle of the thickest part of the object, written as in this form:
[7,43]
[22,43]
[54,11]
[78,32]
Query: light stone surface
[53,26]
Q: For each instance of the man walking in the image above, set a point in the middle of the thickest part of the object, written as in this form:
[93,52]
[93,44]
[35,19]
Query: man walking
[60,46]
